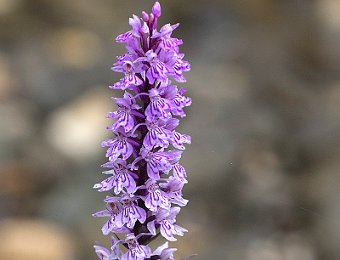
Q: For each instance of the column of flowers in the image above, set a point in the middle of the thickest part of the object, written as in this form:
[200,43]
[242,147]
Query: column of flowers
[144,176]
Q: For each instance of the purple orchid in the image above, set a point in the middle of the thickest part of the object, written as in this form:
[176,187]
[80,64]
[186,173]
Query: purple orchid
[179,173]
[165,219]
[126,113]
[105,254]
[164,36]
[173,187]
[122,145]
[121,178]
[144,176]
[179,140]
[131,70]
[113,210]
[130,212]
[135,250]
[159,107]
[179,102]
[156,197]
[160,161]
[163,252]
[160,133]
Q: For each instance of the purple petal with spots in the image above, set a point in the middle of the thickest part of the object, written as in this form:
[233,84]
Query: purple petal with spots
[152,228]
[167,230]
[102,213]
[179,172]
[123,38]
[108,226]
[155,197]
[164,252]
[121,146]
[179,140]
[158,108]
[103,253]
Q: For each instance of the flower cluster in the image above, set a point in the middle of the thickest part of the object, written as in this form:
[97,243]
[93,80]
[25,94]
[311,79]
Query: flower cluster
[144,174]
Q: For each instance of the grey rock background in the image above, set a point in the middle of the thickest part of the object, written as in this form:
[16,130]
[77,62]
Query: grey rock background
[264,165]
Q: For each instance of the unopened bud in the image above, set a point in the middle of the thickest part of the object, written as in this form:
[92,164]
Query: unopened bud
[145,16]
[156,9]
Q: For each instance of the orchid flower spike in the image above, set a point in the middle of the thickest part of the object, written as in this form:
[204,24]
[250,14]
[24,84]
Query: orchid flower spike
[143,171]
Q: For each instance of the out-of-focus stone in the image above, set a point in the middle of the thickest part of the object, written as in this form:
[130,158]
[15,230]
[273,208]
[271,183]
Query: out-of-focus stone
[290,247]
[323,189]
[263,184]
[8,6]
[230,82]
[16,179]
[260,164]
[34,239]
[6,78]
[297,247]
[263,250]
[75,48]
[333,100]
[78,128]
[22,183]
[329,13]
[256,10]
[17,121]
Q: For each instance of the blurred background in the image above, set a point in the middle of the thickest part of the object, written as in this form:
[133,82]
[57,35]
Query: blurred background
[264,165]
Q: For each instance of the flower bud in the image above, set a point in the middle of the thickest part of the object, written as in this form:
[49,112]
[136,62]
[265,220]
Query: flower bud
[145,16]
[156,9]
